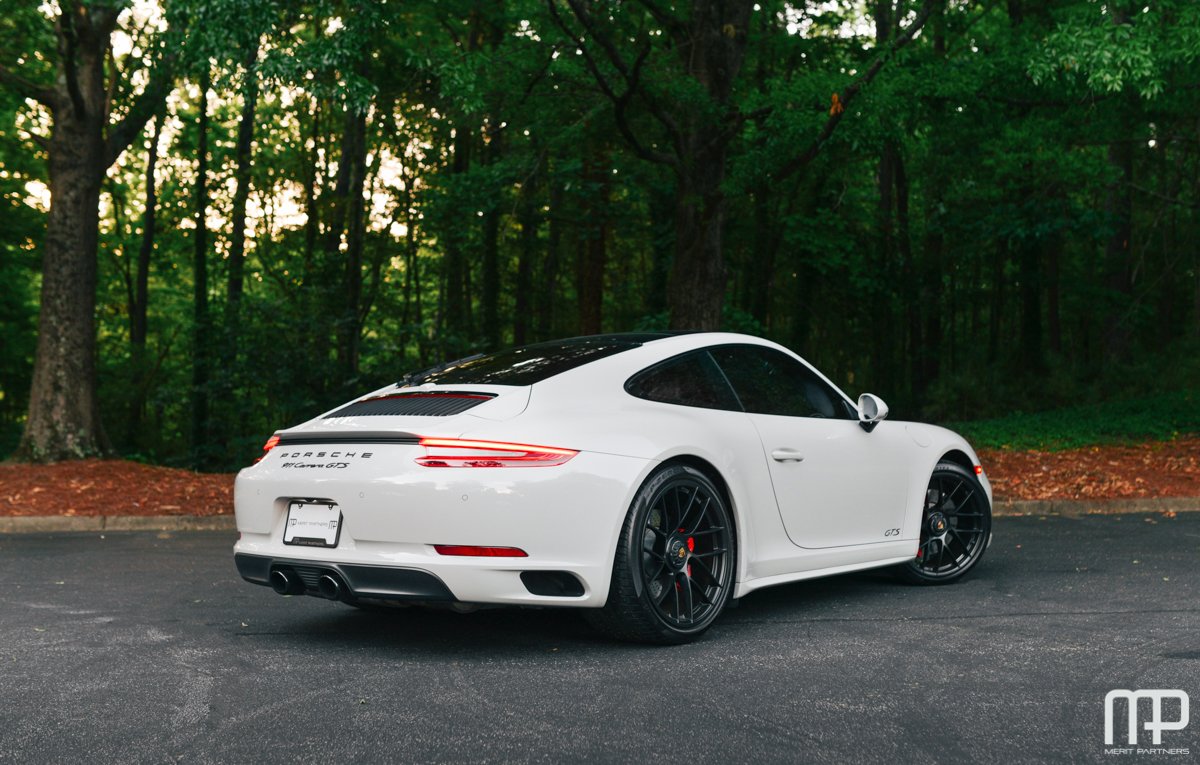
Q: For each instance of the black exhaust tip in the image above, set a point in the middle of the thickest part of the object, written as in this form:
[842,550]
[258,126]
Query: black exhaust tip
[286,583]
[561,584]
[329,587]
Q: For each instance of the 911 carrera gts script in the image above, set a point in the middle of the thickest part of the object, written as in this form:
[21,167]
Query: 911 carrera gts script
[321,455]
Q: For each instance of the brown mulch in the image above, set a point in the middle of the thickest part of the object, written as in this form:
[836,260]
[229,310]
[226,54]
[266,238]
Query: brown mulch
[1149,470]
[112,487]
[118,487]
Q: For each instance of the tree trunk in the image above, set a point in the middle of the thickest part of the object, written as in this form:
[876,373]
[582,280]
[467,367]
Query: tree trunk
[348,195]
[64,414]
[761,278]
[662,228]
[1053,290]
[200,324]
[997,306]
[527,217]
[1117,254]
[312,220]
[141,292]
[455,321]
[492,152]
[245,139]
[697,290]
[1030,267]
[908,279]
[589,273]
[1119,208]
[548,283]
[933,291]
[884,337]
[712,46]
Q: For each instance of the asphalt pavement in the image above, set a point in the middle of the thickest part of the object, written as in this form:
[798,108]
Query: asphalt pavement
[147,647]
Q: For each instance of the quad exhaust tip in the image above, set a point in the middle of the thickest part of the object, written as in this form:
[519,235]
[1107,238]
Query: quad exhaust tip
[285,581]
[329,587]
[284,584]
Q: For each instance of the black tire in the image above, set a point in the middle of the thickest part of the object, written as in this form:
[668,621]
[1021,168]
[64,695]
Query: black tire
[674,563]
[956,527]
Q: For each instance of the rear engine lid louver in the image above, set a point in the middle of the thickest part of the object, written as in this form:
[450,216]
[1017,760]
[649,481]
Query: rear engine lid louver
[425,403]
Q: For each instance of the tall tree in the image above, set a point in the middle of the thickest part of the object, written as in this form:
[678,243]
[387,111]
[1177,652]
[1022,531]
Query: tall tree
[708,46]
[139,293]
[201,344]
[88,133]
[698,117]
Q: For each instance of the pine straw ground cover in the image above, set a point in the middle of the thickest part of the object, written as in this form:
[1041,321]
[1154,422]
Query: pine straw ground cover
[119,487]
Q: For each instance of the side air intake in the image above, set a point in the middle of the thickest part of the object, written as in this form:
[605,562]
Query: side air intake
[426,404]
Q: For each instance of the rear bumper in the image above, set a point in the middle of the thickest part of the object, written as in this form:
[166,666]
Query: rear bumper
[566,519]
[373,582]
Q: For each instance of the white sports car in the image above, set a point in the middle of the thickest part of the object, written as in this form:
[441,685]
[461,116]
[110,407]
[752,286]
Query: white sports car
[646,478]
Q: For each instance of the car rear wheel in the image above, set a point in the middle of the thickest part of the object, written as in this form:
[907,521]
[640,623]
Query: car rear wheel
[674,563]
[956,527]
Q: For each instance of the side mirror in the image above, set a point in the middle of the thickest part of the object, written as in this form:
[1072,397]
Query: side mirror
[871,411]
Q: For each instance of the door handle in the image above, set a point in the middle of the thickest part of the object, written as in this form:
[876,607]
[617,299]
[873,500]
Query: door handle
[787,455]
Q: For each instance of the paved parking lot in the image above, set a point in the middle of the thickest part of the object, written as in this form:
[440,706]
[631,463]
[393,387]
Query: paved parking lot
[143,647]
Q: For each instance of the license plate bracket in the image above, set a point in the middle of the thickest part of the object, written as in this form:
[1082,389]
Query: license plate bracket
[313,523]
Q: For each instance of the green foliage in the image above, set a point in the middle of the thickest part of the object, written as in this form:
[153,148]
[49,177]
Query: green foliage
[1162,417]
[489,145]
[1111,48]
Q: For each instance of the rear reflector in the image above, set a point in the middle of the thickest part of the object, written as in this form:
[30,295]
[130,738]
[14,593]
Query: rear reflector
[979,470]
[475,551]
[460,452]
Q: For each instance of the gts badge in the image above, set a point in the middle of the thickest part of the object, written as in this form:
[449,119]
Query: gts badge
[321,455]
[892,533]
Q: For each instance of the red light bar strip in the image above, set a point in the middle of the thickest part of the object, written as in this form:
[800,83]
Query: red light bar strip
[475,551]
[502,446]
[461,452]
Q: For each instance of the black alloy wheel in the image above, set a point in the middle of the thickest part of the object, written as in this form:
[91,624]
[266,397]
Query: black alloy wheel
[956,527]
[673,568]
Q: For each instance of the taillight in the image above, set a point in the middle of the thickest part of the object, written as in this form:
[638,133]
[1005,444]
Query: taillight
[979,470]
[271,443]
[475,551]
[460,452]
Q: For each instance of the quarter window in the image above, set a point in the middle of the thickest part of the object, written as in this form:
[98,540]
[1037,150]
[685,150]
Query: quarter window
[689,380]
[770,382]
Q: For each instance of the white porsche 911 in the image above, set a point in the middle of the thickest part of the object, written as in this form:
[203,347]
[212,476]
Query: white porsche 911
[646,478]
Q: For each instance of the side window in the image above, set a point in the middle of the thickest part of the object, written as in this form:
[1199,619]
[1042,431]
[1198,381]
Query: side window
[770,382]
[692,379]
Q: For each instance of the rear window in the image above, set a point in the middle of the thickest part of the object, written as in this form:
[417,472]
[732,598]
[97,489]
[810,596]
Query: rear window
[529,364]
[692,379]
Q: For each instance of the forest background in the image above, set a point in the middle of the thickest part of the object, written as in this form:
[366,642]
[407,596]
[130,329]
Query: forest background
[231,215]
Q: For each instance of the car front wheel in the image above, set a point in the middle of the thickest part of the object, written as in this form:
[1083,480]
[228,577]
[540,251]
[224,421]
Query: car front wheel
[956,527]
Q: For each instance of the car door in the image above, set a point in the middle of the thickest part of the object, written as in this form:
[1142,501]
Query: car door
[835,483]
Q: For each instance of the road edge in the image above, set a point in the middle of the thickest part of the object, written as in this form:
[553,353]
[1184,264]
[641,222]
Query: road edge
[52,524]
